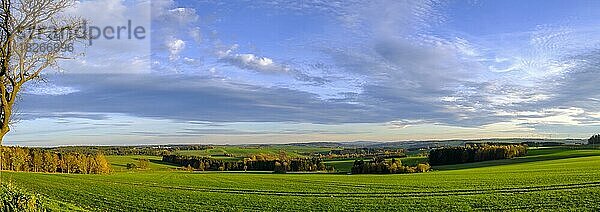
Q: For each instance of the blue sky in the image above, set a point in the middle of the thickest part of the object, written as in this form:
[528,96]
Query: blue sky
[278,71]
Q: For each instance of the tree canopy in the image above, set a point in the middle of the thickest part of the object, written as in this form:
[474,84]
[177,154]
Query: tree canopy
[40,160]
[475,153]
[595,139]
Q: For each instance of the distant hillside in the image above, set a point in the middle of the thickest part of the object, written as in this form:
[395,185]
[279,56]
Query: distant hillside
[432,143]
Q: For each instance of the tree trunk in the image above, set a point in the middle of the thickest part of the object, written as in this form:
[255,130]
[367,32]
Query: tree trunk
[3,132]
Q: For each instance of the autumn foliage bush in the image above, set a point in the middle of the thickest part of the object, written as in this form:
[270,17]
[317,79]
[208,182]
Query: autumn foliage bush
[40,160]
[15,199]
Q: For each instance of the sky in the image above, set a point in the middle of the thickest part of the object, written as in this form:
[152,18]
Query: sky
[282,71]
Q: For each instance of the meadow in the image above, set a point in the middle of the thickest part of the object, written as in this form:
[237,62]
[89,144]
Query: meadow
[548,178]
[235,152]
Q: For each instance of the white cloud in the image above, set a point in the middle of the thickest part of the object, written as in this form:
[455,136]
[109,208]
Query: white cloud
[405,123]
[516,98]
[572,116]
[177,38]
[175,47]
[184,15]
[119,51]
[450,99]
[196,34]
[47,89]
[251,61]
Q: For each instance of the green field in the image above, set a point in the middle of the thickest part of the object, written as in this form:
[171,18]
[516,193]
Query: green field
[236,153]
[119,163]
[553,178]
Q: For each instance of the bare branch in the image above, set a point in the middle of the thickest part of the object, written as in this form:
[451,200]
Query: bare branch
[23,25]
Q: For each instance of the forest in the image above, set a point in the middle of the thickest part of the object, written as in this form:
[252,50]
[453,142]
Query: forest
[43,160]
[379,165]
[350,153]
[248,164]
[475,153]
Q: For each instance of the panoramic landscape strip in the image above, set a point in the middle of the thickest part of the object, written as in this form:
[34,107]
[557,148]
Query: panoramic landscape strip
[299,105]
[475,175]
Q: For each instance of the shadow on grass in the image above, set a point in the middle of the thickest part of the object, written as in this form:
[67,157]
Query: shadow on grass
[119,165]
[537,155]
[233,172]
[163,163]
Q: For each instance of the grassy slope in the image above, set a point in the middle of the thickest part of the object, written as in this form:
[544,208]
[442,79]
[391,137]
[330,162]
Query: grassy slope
[547,179]
[119,163]
[341,165]
[292,151]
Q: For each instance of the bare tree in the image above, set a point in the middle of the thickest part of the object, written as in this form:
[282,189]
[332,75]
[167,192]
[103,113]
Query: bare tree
[34,36]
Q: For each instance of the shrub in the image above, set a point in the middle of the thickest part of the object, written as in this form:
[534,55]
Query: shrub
[131,166]
[143,163]
[423,167]
[14,199]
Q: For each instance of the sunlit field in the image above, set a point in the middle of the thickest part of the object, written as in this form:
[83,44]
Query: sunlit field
[552,178]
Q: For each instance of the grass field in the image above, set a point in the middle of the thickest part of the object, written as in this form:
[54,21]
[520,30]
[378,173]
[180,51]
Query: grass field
[246,151]
[119,163]
[553,178]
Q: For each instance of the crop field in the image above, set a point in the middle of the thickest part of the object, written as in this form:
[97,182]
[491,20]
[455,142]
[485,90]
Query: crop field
[551,178]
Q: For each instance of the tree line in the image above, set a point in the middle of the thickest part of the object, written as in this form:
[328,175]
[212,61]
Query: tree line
[380,165]
[595,139]
[349,153]
[40,160]
[277,165]
[475,153]
[115,150]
